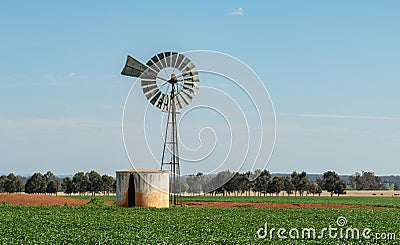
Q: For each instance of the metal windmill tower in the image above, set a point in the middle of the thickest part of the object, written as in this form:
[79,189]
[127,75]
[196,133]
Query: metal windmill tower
[169,81]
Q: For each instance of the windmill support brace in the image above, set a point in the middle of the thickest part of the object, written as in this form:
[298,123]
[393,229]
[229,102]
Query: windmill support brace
[171,140]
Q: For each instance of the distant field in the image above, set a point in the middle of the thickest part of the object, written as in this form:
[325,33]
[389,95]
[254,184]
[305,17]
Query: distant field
[102,198]
[391,202]
[107,224]
[377,201]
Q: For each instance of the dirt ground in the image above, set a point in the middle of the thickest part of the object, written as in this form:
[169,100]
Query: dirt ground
[384,193]
[272,205]
[37,200]
[47,200]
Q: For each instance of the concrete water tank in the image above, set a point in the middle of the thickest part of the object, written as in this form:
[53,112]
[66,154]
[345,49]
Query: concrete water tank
[143,188]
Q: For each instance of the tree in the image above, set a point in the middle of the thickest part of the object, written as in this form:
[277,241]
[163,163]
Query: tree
[52,183]
[301,182]
[295,181]
[3,181]
[80,183]
[247,185]
[315,189]
[332,183]
[180,186]
[107,183]
[193,185]
[304,184]
[19,184]
[232,185]
[36,184]
[261,182]
[287,185]
[207,186]
[94,182]
[52,187]
[67,185]
[340,187]
[216,184]
[275,186]
[49,176]
[397,187]
[366,181]
[13,184]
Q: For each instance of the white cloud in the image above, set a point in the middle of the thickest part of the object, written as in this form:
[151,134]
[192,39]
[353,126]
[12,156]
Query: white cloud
[238,11]
[336,116]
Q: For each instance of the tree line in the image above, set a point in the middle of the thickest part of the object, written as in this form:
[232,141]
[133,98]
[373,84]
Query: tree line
[81,183]
[262,183]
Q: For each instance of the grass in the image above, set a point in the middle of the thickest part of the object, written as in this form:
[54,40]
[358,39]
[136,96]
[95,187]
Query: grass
[377,201]
[89,197]
[107,224]
[391,202]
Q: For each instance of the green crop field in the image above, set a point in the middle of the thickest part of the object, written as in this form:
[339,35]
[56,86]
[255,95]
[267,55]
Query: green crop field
[107,224]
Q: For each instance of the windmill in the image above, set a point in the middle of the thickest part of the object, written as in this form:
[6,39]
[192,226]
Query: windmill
[169,81]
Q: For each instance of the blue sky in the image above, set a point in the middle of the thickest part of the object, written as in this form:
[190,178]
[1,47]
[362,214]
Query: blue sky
[331,69]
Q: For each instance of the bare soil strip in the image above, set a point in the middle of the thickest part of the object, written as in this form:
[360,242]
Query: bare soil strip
[273,205]
[40,200]
[47,200]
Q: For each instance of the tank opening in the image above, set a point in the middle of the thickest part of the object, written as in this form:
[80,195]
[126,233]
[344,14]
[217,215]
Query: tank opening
[131,191]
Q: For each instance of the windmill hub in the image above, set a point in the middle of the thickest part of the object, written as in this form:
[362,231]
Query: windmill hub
[173,79]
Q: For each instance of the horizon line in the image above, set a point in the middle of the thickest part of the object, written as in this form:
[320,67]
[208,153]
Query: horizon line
[340,116]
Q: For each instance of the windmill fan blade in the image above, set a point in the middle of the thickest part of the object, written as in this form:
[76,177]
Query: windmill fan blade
[187,95]
[191,85]
[168,58]
[155,98]
[189,67]
[184,101]
[146,82]
[160,101]
[192,79]
[150,94]
[149,88]
[173,59]
[133,68]
[149,75]
[160,56]
[150,91]
[184,63]
[153,65]
[177,103]
[162,59]
[165,108]
[190,73]
[179,60]
[154,59]
[189,90]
